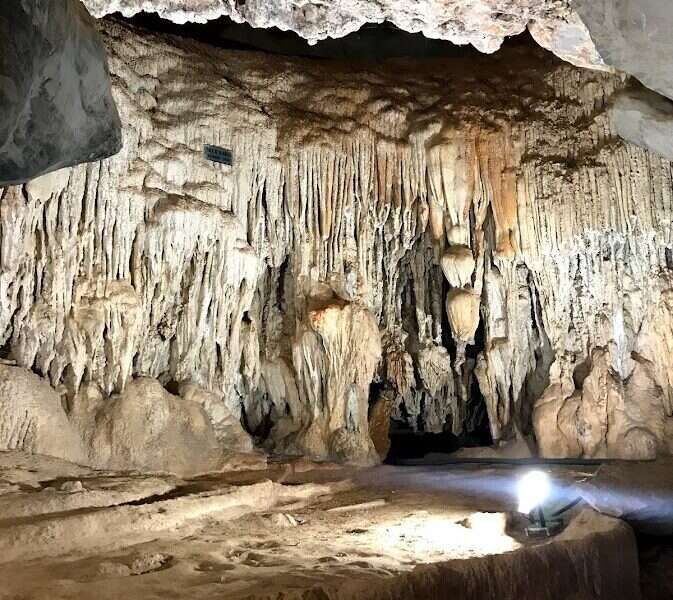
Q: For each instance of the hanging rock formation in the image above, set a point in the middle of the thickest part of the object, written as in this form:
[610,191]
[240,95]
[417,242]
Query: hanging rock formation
[482,23]
[56,107]
[447,234]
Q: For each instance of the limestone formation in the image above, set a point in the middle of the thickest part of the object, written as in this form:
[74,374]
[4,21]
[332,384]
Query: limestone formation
[483,23]
[447,239]
[607,417]
[335,351]
[56,106]
[145,428]
[380,415]
[32,418]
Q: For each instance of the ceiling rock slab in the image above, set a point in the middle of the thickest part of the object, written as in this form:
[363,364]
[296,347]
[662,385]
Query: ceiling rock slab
[482,23]
[645,119]
[633,36]
[56,106]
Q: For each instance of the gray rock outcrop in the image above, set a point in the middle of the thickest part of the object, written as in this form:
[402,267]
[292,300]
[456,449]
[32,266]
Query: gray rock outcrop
[633,36]
[56,105]
[644,118]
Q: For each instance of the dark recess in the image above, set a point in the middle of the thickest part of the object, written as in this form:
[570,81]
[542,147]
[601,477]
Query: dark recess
[374,41]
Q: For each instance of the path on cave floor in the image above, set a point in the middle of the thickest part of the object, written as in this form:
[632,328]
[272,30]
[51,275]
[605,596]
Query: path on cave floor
[68,531]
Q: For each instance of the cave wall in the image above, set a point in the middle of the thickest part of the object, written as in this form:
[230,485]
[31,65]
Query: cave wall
[372,219]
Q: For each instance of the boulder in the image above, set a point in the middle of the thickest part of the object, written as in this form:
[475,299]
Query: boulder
[56,105]
[227,426]
[32,418]
[148,429]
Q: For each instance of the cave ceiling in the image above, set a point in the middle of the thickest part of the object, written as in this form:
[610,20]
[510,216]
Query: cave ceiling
[485,24]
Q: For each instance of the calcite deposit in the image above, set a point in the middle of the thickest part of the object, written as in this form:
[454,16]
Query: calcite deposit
[427,237]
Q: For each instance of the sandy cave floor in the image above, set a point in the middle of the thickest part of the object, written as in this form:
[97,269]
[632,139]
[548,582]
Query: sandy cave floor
[304,531]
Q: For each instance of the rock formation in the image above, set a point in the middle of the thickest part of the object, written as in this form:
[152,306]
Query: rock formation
[56,107]
[440,233]
[644,118]
[483,23]
[32,417]
[146,428]
[630,36]
[633,36]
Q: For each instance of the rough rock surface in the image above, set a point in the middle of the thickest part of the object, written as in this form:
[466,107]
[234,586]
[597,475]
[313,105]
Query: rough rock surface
[641,494]
[336,349]
[626,35]
[32,418]
[633,36]
[608,417]
[645,119]
[483,224]
[56,107]
[483,23]
[147,429]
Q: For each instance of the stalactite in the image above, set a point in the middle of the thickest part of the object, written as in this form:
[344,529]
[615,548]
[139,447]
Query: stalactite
[419,205]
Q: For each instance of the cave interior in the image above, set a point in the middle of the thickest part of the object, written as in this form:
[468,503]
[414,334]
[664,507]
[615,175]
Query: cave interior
[335,300]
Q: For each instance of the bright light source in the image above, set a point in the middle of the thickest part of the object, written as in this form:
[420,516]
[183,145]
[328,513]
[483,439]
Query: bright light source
[534,488]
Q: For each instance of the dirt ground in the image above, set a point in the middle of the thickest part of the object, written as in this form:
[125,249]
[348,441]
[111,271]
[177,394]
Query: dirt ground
[285,531]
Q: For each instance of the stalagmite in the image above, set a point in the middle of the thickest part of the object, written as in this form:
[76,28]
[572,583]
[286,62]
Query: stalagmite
[336,350]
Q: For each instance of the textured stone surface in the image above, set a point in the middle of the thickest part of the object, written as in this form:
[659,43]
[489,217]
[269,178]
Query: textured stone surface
[645,119]
[32,418]
[608,417]
[56,108]
[336,349]
[633,36]
[146,428]
[360,205]
[483,23]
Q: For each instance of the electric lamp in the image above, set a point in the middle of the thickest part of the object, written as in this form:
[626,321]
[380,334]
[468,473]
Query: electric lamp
[534,491]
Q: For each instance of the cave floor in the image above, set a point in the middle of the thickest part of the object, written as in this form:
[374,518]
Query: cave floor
[281,531]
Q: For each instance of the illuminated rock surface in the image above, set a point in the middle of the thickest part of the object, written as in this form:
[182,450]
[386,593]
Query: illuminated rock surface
[484,224]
